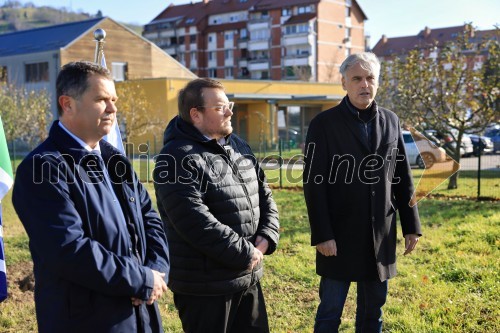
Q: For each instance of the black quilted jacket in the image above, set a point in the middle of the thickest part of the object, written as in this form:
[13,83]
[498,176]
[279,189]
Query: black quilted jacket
[214,201]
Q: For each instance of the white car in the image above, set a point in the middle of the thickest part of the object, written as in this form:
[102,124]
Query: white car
[426,154]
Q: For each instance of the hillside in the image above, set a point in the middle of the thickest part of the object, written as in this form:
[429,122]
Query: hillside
[15,16]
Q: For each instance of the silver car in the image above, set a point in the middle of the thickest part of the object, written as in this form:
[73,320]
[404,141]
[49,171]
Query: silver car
[426,154]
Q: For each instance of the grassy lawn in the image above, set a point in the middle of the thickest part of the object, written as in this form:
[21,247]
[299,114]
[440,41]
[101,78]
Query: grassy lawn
[449,284]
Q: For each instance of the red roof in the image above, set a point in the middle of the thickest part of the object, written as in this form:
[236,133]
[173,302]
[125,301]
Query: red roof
[199,11]
[426,38]
[275,4]
[226,26]
[202,9]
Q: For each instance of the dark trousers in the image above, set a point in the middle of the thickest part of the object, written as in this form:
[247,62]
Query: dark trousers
[242,312]
[371,296]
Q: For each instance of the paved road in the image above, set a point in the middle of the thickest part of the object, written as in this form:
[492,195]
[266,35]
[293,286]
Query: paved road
[488,162]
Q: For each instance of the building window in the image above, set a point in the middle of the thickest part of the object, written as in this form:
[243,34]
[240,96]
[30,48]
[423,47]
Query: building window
[193,56]
[38,72]
[347,11]
[228,54]
[189,20]
[243,33]
[304,9]
[210,39]
[228,72]
[296,29]
[192,39]
[264,75]
[228,35]
[286,12]
[347,32]
[119,71]
[212,72]
[211,55]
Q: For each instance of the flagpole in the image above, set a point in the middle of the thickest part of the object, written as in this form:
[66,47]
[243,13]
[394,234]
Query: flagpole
[6,181]
[114,137]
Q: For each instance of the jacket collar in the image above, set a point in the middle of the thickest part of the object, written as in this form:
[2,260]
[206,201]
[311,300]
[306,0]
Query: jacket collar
[351,119]
[66,144]
[181,129]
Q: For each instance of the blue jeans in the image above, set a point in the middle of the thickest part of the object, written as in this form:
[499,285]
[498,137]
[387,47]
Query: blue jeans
[371,296]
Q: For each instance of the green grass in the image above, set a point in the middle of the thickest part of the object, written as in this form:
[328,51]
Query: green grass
[449,284]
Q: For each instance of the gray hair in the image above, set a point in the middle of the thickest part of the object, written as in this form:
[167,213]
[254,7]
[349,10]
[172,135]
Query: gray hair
[367,60]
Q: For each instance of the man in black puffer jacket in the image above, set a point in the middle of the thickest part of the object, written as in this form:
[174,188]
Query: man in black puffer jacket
[219,215]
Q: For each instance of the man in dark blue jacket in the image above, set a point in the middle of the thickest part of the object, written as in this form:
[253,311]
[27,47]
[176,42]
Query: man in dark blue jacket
[99,250]
[219,214]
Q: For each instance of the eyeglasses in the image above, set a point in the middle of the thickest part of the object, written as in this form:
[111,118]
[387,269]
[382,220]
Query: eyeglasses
[219,108]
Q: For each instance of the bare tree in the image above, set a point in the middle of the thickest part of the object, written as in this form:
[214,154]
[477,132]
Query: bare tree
[134,111]
[451,92]
[25,114]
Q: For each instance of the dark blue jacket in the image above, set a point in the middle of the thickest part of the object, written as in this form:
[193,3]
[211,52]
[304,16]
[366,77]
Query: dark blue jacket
[85,265]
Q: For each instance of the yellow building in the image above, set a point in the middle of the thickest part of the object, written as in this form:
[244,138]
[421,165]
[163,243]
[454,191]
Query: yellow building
[264,110]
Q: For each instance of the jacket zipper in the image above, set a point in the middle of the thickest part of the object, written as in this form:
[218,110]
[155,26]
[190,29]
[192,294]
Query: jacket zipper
[235,171]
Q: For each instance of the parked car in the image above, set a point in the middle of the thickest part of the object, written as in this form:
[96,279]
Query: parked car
[426,154]
[494,134]
[449,144]
[482,144]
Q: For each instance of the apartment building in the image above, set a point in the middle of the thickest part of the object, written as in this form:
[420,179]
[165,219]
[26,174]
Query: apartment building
[303,40]
[429,41]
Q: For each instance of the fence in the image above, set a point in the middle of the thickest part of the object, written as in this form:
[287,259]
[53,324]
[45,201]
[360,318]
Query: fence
[479,177]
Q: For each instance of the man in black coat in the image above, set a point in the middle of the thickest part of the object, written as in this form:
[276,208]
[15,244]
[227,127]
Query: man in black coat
[100,255]
[219,215]
[356,177]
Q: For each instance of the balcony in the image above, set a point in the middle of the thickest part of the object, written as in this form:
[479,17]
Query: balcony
[167,33]
[243,63]
[297,39]
[151,35]
[212,63]
[243,43]
[258,44]
[298,60]
[258,24]
[172,49]
[258,64]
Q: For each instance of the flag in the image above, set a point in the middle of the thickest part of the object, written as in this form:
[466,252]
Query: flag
[6,181]
[114,137]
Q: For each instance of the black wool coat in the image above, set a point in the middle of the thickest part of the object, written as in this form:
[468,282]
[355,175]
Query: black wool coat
[353,189]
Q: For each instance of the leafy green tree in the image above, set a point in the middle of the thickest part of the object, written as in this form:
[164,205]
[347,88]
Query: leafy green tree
[451,91]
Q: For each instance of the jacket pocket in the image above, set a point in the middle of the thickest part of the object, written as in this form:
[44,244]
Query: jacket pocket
[393,207]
